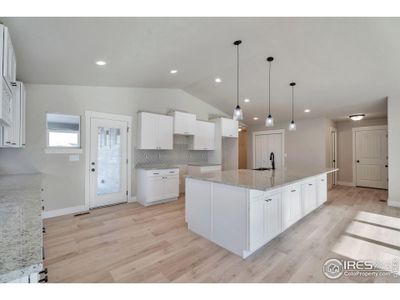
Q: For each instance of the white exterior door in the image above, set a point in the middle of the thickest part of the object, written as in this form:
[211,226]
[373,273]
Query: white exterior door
[265,144]
[108,162]
[371,158]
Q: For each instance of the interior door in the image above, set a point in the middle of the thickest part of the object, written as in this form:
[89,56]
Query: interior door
[371,158]
[264,145]
[108,162]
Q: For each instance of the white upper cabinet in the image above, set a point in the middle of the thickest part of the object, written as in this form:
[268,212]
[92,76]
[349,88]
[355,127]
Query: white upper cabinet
[9,61]
[184,123]
[229,127]
[14,135]
[7,68]
[204,136]
[155,131]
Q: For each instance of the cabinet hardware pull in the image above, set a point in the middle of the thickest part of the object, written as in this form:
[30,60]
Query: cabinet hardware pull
[293,191]
[322,179]
[44,271]
[268,200]
[310,184]
[156,173]
[45,279]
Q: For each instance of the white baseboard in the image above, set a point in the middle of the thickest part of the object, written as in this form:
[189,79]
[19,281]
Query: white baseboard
[63,211]
[132,199]
[393,203]
[345,183]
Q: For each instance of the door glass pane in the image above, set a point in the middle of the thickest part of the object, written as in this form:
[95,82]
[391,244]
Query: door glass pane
[109,155]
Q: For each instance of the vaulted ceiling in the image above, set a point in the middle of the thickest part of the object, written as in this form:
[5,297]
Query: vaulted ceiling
[341,65]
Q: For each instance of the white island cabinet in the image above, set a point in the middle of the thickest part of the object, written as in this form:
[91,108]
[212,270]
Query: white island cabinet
[242,210]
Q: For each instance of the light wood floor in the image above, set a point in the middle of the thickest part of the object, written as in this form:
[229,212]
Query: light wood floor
[131,243]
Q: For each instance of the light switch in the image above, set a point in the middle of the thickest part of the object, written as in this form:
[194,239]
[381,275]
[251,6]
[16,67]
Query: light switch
[74,157]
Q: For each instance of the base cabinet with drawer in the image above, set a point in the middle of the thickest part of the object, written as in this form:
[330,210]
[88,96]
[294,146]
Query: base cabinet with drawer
[291,205]
[155,186]
[309,195]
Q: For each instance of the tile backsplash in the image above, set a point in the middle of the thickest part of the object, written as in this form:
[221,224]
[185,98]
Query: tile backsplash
[179,155]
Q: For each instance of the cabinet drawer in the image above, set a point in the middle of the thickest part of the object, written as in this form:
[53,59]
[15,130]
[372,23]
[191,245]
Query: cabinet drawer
[162,172]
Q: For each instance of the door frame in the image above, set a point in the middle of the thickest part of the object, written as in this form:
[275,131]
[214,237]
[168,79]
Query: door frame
[354,131]
[334,156]
[276,131]
[116,117]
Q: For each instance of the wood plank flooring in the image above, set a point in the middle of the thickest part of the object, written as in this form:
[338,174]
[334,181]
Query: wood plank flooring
[132,243]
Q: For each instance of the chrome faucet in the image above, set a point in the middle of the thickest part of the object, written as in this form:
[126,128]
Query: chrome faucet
[272,159]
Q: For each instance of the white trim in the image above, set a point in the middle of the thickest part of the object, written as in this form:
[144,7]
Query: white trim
[63,211]
[124,118]
[357,129]
[344,183]
[393,203]
[63,150]
[276,131]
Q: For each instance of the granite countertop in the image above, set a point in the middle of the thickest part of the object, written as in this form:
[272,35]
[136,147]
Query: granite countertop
[203,164]
[260,180]
[21,236]
[157,166]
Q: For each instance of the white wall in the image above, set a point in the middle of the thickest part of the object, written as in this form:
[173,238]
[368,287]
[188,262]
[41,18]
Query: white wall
[305,147]
[345,146]
[64,180]
[394,150]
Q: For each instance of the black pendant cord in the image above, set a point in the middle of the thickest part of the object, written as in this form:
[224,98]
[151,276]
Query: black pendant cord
[292,84]
[237,75]
[269,89]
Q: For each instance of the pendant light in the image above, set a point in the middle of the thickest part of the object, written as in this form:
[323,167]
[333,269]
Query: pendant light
[292,125]
[269,121]
[237,112]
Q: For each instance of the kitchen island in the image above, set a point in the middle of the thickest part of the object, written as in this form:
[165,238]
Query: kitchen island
[242,210]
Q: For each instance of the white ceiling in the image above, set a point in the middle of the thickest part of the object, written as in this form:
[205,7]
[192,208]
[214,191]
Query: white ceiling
[341,65]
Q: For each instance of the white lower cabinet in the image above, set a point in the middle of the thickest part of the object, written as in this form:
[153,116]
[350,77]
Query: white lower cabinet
[291,205]
[265,218]
[309,195]
[322,188]
[155,186]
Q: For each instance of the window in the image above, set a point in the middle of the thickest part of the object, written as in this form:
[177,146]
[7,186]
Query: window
[63,131]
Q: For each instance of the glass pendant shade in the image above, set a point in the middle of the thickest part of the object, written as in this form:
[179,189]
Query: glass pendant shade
[292,126]
[269,121]
[237,113]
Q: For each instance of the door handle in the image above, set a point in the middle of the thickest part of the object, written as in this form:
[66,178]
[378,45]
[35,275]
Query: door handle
[386,166]
[93,169]
[357,161]
[93,163]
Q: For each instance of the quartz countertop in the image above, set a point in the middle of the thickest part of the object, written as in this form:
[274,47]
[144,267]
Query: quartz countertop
[203,164]
[157,166]
[21,236]
[260,180]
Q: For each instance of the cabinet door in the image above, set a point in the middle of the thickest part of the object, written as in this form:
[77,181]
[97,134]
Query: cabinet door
[9,61]
[272,216]
[23,114]
[229,128]
[171,186]
[257,223]
[148,127]
[155,188]
[309,196]
[12,133]
[291,206]
[210,136]
[165,132]
[6,106]
[184,123]
[322,189]
[204,137]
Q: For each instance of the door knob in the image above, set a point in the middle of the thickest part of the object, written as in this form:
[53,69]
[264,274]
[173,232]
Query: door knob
[358,161]
[93,163]
[93,169]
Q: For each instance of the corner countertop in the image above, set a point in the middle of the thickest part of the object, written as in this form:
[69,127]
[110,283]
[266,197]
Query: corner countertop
[261,180]
[21,234]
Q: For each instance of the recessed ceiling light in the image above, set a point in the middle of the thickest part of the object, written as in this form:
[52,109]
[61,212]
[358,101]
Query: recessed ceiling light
[255,118]
[357,117]
[101,63]
[307,110]
[247,100]
[218,80]
[173,71]
[239,129]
